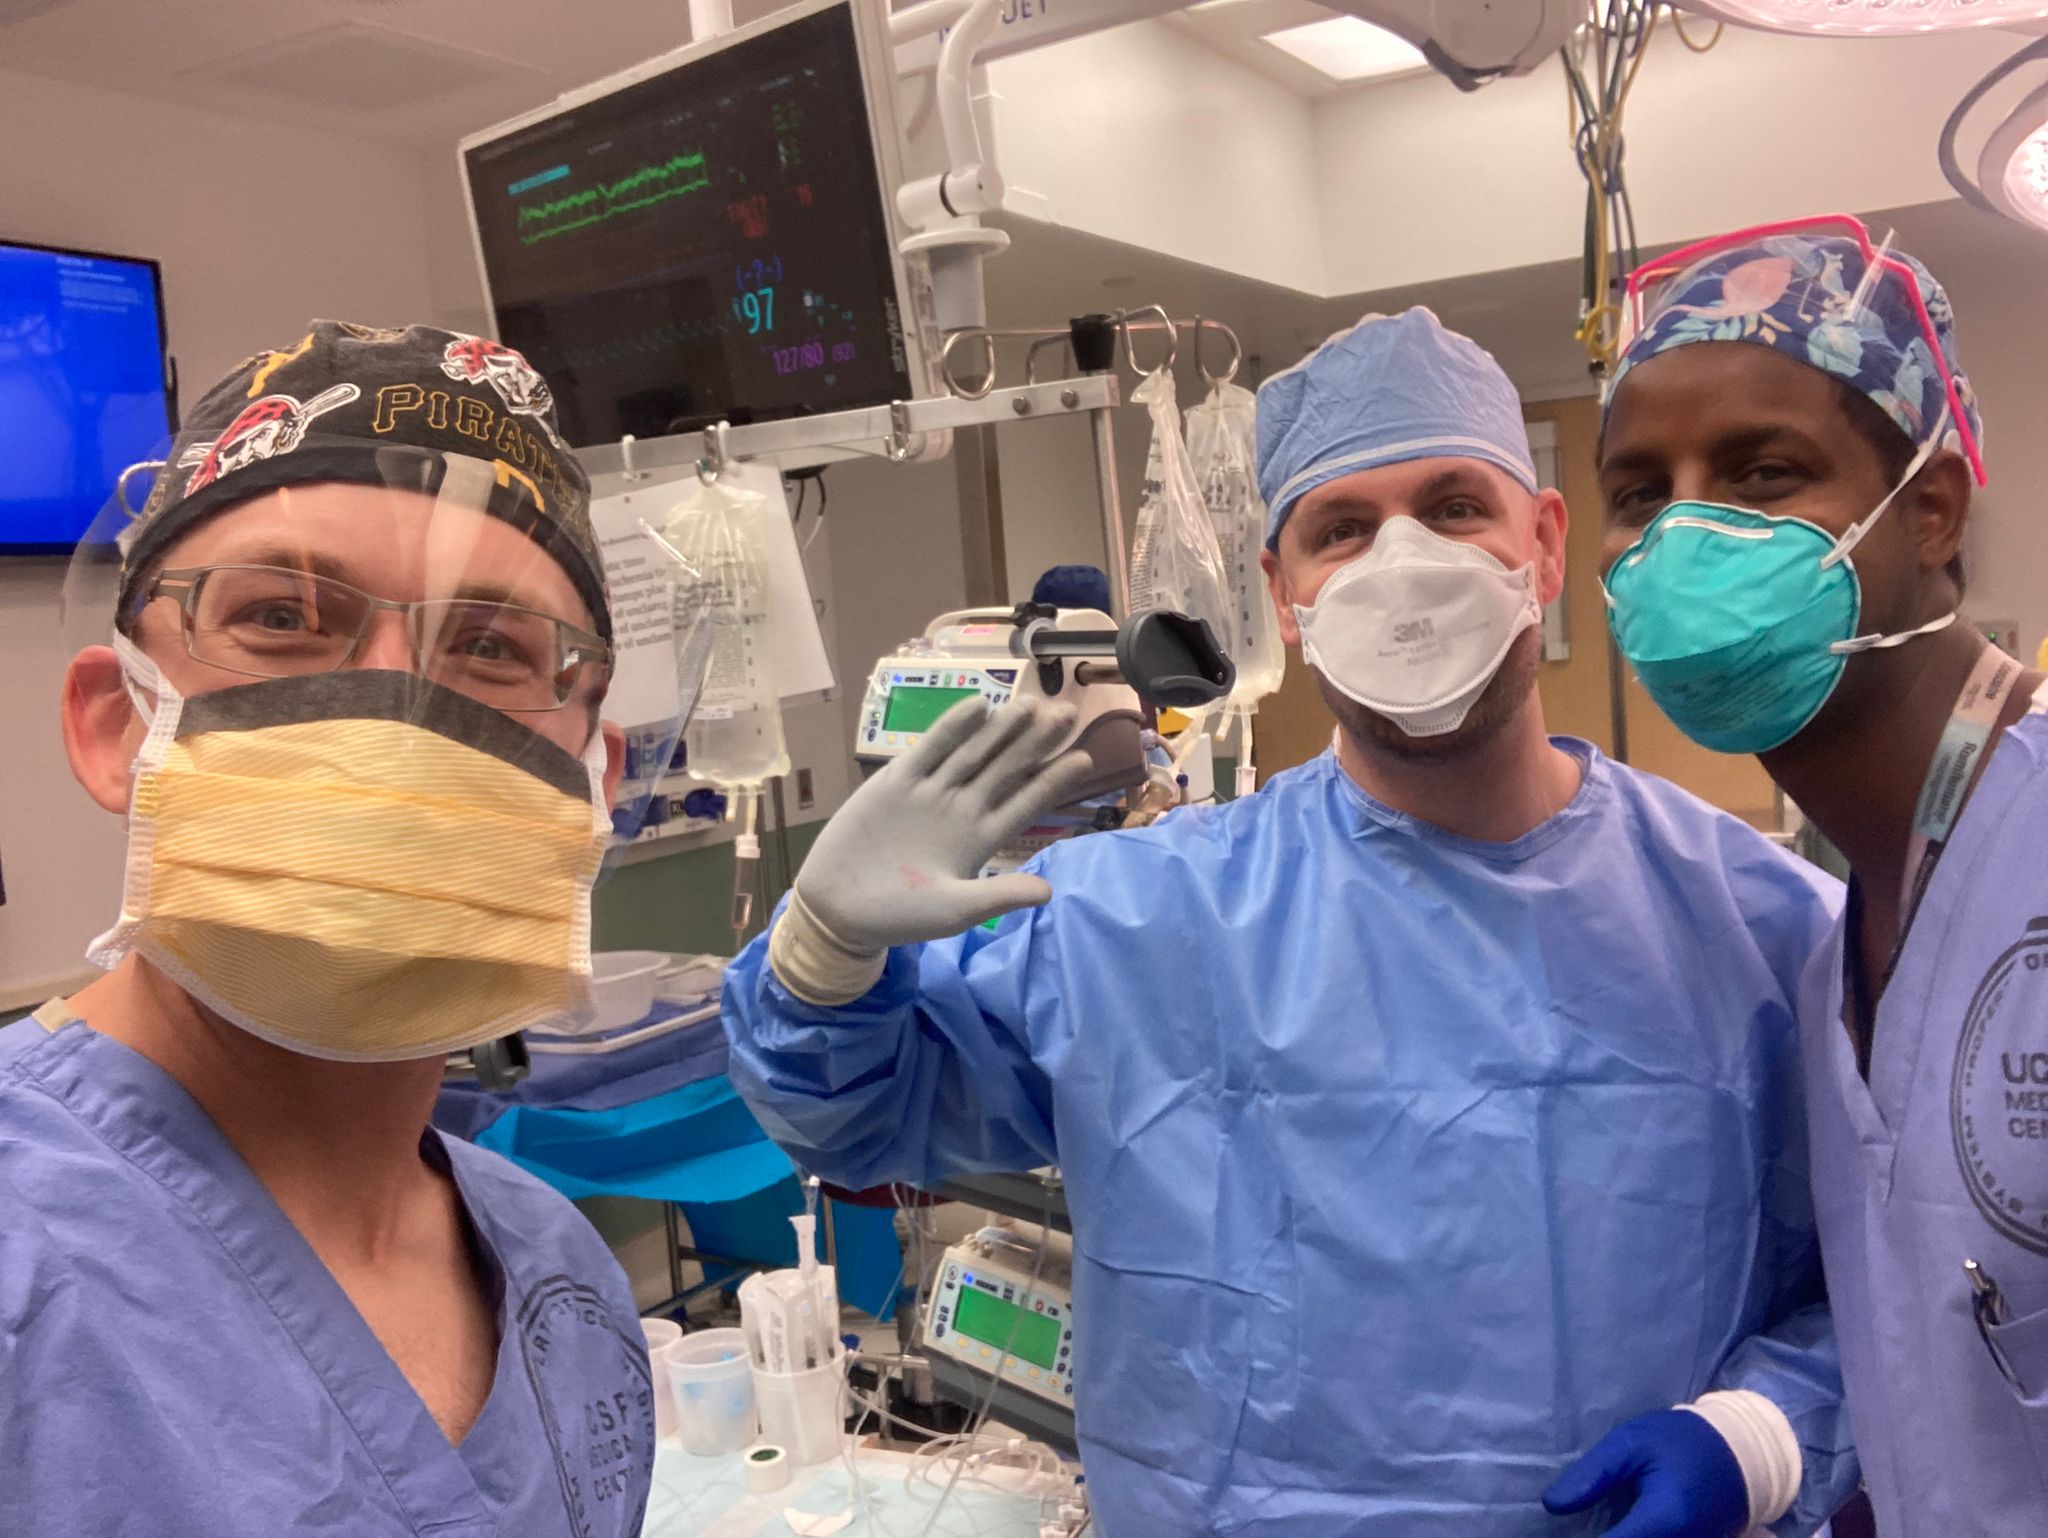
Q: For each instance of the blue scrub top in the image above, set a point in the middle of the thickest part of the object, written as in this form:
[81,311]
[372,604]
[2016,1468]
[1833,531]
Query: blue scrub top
[1942,1157]
[174,1358]
[1402,1165]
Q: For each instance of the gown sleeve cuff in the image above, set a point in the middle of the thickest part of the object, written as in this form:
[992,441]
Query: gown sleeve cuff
[1764,1444]
[814,963]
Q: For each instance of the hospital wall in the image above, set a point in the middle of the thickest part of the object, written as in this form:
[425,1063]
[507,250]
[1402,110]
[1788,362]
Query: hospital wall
[1213,162]
[1997,278]
[1347,193]
[257,231]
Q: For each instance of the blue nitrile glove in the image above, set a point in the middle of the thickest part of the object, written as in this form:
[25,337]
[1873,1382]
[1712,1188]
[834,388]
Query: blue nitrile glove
[1686,1480]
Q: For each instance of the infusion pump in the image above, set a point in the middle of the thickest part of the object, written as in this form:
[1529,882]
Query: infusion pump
[999,655]
[986,1312]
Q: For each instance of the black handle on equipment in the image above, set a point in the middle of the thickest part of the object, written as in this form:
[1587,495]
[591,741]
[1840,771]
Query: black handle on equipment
[1168,657]
[1172,659]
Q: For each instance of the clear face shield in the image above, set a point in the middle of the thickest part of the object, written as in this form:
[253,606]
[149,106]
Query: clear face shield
[1843,288]
[366,724]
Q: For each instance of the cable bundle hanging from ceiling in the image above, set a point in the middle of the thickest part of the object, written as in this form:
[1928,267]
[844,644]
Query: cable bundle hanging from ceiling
[1600,66]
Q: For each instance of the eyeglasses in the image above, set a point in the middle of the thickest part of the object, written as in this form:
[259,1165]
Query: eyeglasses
[277,622]
[1653,285]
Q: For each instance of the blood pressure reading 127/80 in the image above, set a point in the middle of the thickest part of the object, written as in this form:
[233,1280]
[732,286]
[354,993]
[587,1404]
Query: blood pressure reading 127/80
[708,243]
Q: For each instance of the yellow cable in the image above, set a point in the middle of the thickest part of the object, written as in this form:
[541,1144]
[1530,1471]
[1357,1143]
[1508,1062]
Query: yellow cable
[1678,26]
[1600,331]
[1629,80]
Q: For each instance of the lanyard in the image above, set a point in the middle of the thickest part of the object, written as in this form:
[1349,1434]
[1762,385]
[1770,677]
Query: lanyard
[1957,757]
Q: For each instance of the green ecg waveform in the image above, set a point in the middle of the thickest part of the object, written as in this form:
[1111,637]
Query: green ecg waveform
[674,178]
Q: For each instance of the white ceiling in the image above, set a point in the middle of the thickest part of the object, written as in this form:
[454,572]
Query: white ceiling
[418,72]
[426,72]
[1239,29]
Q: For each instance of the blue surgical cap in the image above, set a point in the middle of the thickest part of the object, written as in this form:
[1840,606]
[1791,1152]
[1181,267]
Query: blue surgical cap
[1391,389]
[1806,296]
[1073,587]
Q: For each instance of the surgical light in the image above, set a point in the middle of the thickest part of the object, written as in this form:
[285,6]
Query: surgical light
[1870,18]
[1348,49]
[2026,177]
[2010,174]
[2012,170]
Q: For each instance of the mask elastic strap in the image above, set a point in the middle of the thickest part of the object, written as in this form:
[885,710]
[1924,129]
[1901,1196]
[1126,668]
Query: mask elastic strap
[1875,643]
[141,677]
[1850,540]
[596,758]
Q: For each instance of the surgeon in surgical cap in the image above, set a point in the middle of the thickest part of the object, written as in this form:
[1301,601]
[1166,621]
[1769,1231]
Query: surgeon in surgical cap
[1429,1119]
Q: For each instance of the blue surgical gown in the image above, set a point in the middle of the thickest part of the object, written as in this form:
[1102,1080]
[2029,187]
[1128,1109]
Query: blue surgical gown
[1402,1166]
[174,1359]
[1942,1157]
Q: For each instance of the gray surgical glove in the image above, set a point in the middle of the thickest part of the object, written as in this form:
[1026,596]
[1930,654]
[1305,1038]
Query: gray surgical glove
[898,863]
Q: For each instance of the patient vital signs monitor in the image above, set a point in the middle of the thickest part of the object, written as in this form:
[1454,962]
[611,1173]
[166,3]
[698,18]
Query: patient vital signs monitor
[711,235]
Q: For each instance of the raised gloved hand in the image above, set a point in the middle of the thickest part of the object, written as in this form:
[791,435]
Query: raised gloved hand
[899,862]
[1686,1480]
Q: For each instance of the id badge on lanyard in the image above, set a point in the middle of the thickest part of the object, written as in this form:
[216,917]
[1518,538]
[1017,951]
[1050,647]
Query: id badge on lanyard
[1957,758]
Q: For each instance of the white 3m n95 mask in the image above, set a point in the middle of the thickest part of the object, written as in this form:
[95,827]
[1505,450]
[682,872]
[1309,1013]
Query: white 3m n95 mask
[1415,628]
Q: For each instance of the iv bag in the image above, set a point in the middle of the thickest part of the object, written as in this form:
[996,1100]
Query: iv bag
[735,738]
[1175,561]
[1221,446]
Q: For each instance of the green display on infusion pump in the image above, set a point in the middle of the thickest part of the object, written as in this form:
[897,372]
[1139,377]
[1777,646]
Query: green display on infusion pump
[913,709]
[990,1320]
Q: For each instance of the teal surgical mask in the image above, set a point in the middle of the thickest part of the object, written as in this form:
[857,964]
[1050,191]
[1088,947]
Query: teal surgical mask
[1739,623]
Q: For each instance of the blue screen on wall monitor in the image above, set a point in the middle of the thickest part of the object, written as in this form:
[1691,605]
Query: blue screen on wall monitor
[82,388]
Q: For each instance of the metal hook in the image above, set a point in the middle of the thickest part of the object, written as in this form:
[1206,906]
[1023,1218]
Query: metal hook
[1236,353]
[988,355]
[1166,324]
[717,456]
[898,445]
[1031,357]
[121,486]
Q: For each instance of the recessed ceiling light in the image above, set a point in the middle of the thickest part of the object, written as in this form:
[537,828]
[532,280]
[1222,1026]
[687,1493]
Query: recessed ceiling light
[1871,18]
[1346,48]
[1215,5]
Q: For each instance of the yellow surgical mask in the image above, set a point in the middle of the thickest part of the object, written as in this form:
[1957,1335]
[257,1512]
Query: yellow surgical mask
[360,865]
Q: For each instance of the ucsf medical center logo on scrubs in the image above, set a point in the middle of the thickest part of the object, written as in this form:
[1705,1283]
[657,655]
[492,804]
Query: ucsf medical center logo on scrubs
[1998,1096]
[599,1442]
